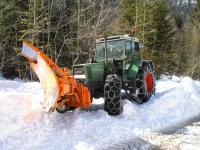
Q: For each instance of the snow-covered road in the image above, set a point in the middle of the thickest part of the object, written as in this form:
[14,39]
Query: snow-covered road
[24,124]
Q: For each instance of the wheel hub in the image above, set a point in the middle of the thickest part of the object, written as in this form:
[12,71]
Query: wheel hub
[149,82]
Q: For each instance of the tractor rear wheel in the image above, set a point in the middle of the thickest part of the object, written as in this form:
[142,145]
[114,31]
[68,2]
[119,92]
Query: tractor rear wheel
[144,84]
[113,102]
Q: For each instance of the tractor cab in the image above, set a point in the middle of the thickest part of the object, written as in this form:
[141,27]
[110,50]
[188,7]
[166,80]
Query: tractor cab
[116,47]
[118,53]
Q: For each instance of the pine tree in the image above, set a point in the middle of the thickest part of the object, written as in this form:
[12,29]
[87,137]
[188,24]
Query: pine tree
[152,21]
[163,37]
[9,14]
[193,43]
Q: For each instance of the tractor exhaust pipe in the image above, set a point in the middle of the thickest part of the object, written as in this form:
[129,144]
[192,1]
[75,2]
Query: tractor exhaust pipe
[106,50]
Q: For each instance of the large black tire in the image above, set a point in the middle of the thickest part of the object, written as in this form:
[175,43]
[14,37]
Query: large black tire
[113,102]
[145,85]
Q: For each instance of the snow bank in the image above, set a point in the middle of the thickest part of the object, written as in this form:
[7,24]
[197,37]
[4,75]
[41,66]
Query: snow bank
[24,125]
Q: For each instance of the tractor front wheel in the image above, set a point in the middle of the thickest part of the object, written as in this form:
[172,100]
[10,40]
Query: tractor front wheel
[113,102]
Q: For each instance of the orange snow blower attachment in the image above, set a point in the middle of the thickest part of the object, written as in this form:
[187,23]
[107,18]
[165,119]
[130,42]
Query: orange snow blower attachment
[60,87]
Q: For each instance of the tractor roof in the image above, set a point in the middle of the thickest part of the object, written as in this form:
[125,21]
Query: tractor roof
[118,37]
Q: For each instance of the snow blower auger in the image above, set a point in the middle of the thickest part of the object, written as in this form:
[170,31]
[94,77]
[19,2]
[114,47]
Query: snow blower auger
[62,91]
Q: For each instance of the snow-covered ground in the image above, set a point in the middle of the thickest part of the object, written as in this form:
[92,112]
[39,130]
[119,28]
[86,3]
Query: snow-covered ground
[187,138]
[24,124]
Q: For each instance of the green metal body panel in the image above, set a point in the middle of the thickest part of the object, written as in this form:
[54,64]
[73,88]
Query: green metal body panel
[92,71]
[98,71]
[95,71]
[133,67]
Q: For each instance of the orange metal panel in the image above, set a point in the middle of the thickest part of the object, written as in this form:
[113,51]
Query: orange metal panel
[49,82]
[57,83]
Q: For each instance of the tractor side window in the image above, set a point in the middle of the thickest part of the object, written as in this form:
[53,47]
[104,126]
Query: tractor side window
[100,52]
[128,49]
[115,50]
[133,47]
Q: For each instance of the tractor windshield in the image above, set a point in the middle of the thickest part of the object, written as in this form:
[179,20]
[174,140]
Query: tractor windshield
[116,49]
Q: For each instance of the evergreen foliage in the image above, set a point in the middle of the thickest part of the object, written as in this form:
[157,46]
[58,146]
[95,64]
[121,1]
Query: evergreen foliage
[66,30]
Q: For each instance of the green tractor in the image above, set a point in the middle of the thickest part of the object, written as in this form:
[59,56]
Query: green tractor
[117,72]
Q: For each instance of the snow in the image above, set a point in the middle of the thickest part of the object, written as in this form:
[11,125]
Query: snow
[190,138]
[25,125]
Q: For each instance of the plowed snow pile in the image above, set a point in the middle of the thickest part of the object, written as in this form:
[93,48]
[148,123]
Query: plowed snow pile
[24,124]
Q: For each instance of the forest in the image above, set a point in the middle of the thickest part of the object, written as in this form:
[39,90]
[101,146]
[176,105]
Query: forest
[67,31]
